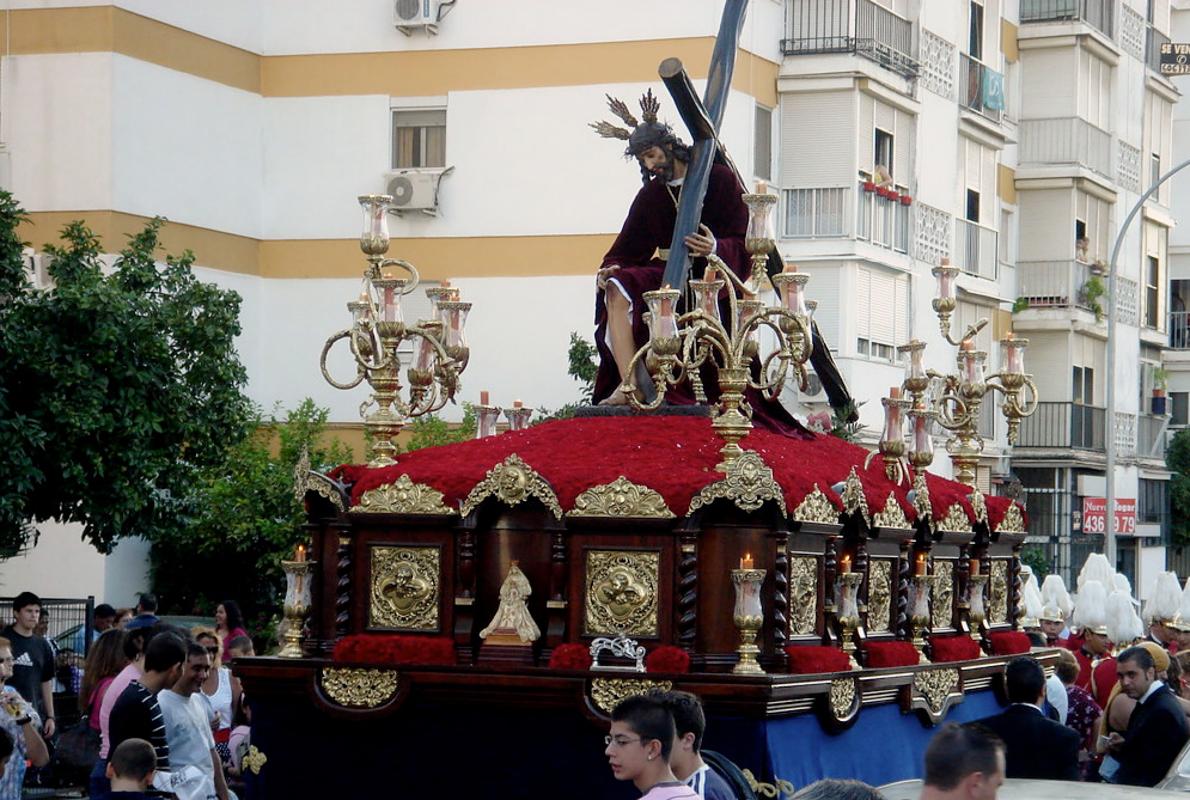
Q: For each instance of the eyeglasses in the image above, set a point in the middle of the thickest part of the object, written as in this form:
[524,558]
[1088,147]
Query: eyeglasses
[620,741]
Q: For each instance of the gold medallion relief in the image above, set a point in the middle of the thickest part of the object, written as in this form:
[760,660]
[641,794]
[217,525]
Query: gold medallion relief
[998,591]
[879,596]
[942,596]
[404,588]
[622,592]
[803,590]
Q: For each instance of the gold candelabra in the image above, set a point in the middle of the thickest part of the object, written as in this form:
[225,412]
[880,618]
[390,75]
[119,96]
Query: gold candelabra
[848,612]
[977,612]
[748,617]
[681,345]
[953,400]
[919,613]
[378,329]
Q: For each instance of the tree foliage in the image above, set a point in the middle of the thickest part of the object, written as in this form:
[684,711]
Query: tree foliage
[582,364]
[1177,459]
[246,519]
[117,387]
[431,430]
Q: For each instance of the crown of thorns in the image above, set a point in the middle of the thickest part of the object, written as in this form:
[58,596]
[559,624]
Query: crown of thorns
[649,106]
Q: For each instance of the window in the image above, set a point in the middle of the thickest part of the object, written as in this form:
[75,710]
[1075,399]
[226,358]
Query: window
[762,146]
[1180,403]
[419,138]
[972,205]
[1084,385]
[1150,503]
[1154,170]
[1004,243]
[883,152]
[975,31]
[882,312]
[1152,297]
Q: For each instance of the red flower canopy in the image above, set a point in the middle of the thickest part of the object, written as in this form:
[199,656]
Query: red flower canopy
[672,455]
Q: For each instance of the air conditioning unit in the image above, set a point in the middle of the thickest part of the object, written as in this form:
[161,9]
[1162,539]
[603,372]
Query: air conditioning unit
[414,190]
[411,14]
[814,392]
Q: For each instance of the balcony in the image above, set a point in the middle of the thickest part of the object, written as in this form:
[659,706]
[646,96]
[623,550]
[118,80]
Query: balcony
[975,248]
[1153,49]
[1150,436]
[1179,330]
[1059,284]
[882,218]
[816,213]
[1068,141]
[981,88]
[1065,426]
[851,26]
[1099,14]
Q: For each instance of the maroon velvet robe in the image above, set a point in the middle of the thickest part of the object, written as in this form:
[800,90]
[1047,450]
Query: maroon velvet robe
[648,228]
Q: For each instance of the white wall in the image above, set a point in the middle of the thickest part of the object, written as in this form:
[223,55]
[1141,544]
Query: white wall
[61,565]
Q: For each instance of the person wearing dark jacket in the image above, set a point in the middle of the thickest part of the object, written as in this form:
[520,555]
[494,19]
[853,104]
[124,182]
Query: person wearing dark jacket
[1035,747]
[1157,729]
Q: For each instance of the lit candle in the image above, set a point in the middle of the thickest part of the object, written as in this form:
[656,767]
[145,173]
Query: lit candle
[919,564]
[301,553]
[845,564]
[975,568]
[484,398]
[746,562]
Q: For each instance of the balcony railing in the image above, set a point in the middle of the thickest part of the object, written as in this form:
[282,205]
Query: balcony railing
[1057,284]
[1150,436]
[1064,425]
[1066,140]
[882,220]
[1099,14]
[981,88]
[1179,330]
[816,213]
[851,26]
[975,247]
[1153,49]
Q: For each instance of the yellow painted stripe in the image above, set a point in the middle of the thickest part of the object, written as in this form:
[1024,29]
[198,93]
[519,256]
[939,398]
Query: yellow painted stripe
[435,258]
[407,73]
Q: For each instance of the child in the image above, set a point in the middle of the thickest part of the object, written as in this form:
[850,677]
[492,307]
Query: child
[130,769]
[638,749]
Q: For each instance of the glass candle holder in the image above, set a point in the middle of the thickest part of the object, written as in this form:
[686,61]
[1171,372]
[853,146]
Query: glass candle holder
[374,239]
[296,605]
[454,319]
[945,273]
[1013,354]
[390,290]
[518,416]
[894,425]
[663,318]
[792,286]
[748,616]
[486,418]
[916,378]
[706,295]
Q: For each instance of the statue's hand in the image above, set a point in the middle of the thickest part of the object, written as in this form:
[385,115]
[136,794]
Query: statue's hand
[701,244]
[602,275]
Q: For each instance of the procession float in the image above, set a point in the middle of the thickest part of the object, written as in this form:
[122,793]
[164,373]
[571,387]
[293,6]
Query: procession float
[467,616]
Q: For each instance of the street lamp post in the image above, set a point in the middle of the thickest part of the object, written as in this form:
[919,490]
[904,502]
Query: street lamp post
[1110,443]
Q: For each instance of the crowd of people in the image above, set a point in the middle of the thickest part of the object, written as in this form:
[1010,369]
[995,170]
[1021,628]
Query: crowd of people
[158,706]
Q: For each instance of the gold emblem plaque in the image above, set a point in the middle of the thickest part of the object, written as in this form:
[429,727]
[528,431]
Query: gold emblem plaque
[622,592]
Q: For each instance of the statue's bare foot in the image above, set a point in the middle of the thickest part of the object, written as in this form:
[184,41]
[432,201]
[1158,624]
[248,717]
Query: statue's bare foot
[617,398]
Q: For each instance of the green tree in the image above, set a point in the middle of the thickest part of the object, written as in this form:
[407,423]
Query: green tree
[582,364]
[1035,556]
[117,387]
[431,430]
[246,519]
[1177,459]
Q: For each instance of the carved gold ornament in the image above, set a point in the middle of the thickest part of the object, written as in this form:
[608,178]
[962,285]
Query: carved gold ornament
[621,498]
[942,595]
[853,498]
[253,760]
[306,481]
[749,484]
[512,482]
[606,693]
[842,697]
[998,592]
[622,592]
[803,590]
[935,686]
[956,520]
[979,506]
[775,789]
[405,588]
[359,688]
[816,507]
[879,595]
[1014,520]
[921,500]
[403,496]
[893,516]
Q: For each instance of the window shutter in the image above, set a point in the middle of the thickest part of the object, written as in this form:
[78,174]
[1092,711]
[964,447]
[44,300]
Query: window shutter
[867,134]
[903,148]
[863,309]
[901,307]
[823,288]
[882,304]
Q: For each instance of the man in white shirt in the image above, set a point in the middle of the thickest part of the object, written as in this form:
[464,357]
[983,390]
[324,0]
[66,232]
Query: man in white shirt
[188,726]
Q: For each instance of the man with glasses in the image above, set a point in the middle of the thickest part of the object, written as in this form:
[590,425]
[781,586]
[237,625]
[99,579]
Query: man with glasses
[639,746]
